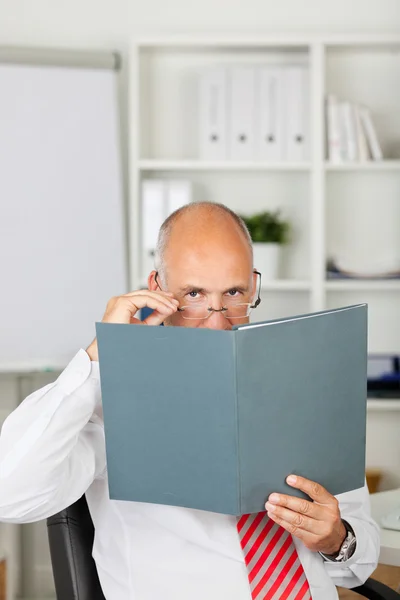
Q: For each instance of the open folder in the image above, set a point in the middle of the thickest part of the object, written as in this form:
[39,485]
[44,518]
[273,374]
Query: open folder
[216,420]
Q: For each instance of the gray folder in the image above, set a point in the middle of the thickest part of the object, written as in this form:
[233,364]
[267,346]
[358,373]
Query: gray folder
[216,420]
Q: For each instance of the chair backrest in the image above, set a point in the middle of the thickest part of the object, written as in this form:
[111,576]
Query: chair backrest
[71,535]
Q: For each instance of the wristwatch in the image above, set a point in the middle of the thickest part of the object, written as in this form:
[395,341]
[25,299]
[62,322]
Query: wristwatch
[346,549]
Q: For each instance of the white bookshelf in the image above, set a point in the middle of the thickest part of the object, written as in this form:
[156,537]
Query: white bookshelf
[331,206]
[383,165]
[383,406]
[286,285]
[381,285]
[200,165]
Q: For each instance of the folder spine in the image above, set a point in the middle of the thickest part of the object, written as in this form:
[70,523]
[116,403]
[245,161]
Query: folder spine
[236,400]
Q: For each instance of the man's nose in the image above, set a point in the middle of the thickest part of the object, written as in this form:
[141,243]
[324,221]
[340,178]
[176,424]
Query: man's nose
[216,321]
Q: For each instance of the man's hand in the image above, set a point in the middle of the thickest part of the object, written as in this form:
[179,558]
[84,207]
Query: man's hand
[122,309]
[317,524]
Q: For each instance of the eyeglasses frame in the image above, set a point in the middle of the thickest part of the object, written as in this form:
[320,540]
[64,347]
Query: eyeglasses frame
[223,308]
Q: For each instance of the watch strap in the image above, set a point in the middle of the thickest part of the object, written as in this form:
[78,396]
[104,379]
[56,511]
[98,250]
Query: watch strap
[347,549]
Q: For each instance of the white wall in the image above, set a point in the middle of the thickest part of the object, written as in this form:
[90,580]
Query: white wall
[111,22]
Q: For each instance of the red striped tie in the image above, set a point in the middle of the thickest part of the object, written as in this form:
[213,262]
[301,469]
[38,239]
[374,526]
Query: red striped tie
[274,569]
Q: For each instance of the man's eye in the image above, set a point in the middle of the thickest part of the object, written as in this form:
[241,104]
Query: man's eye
[233,292]
[193,294]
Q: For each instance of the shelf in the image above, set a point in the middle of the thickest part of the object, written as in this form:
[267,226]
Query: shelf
[286,285]
[272,286]
[199,165]
[371,166]
[384,405]
[375,285]
[228,42]
[279,40]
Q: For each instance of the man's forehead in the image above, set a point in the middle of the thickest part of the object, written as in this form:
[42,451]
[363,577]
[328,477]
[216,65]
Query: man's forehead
[201,268]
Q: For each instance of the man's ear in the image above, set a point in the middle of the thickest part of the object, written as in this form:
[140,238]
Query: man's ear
[152,282]
[254,289]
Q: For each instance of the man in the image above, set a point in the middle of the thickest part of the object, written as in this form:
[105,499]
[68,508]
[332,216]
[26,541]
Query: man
[52,451]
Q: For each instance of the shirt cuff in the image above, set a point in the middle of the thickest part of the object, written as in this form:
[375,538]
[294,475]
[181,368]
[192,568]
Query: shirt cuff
[77,372]
[359,555]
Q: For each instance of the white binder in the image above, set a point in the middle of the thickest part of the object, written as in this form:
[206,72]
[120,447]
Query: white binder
[270,128]
[213,114]
[350,141]
[370,133]
[242,113]
[153,214]
[363,153]
[333,130]
[297,109]
[179,193]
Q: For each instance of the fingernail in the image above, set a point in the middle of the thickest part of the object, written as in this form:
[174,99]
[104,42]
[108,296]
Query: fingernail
[274,498]
[270,507]
[291,479]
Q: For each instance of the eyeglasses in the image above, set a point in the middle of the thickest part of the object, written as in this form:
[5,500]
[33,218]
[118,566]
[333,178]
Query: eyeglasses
[232,310]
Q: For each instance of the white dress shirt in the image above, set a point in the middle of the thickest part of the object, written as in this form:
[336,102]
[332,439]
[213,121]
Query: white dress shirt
[52,451]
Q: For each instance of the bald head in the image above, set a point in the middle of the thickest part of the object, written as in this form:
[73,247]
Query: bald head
[203,229]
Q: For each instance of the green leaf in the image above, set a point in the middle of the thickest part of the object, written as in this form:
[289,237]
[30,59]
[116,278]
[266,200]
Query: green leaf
[267,226]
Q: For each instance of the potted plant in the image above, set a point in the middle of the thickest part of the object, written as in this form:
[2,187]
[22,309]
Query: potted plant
[268,231]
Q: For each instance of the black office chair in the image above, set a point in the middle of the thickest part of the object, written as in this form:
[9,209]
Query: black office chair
[71,535]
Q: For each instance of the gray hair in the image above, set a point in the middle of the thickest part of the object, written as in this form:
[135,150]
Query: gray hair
[166,229]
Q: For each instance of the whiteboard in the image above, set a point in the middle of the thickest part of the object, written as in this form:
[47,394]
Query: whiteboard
[62,241]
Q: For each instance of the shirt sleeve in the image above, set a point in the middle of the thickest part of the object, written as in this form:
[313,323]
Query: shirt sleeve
[355,509]
[52,446]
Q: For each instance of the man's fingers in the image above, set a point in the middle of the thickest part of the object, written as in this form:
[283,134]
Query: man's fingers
[297,505]
[140,297]
[122,309]
[317,523]
[295,519]
[125,307]
[162,305]
[316,491]
[310,539]
[149,292]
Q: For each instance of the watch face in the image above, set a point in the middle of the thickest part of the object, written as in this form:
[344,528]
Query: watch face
[352,541]
[349,545]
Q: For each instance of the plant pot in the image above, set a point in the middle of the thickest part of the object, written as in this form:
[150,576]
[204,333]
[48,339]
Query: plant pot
[266,259]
